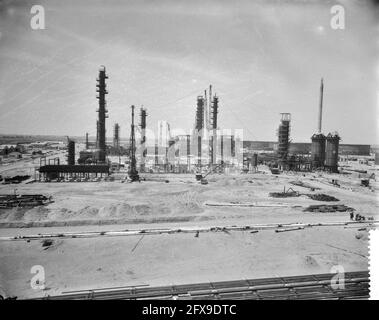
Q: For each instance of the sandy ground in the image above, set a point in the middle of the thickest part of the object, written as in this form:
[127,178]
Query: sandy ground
[182,200]
[73,264]
[76,264]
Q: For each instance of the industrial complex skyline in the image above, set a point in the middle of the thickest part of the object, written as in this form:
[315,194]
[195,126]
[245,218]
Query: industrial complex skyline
[261,60]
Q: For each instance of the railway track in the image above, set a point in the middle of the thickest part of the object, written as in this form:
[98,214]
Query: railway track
[316,286]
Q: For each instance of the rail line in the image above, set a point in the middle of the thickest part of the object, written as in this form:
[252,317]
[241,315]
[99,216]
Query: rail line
[279,227]
[315,287]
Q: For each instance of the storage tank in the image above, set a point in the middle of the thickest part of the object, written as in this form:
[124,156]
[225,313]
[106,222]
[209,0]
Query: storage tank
[332,145]
[71,153]
[318,150]
[254,159]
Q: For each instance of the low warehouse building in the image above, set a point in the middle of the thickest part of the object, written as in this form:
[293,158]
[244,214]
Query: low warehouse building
[50,172]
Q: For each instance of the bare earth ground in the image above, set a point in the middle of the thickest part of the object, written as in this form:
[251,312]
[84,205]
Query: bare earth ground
[73,264]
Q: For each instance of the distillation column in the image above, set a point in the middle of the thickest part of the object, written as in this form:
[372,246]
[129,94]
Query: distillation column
[143,150]
[101,89]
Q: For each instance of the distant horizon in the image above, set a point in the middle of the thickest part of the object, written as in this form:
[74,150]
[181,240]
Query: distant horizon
[109,138]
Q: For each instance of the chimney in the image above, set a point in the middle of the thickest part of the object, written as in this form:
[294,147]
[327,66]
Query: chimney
[320,106]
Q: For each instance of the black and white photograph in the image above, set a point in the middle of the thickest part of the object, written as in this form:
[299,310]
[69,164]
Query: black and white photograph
[188,150]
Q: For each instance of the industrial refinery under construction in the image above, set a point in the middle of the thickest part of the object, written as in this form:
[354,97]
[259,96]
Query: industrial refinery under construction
[203,151]
[213,194]
[128,207]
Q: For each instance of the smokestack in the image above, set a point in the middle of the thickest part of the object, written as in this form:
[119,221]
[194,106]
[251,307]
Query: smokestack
[205,111]
[87,145]
[320,106]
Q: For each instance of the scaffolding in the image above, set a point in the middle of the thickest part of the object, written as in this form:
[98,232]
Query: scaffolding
[283,136]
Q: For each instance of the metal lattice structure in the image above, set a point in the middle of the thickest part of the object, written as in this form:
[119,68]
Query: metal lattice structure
[143,115]
[213,125]
[199,125]
[284,135]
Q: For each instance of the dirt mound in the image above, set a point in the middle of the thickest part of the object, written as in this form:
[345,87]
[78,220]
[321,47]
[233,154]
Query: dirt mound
[322,197]
[328,208]
[284,194]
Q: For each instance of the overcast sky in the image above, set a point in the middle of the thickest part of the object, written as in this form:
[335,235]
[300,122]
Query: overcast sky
[262,58]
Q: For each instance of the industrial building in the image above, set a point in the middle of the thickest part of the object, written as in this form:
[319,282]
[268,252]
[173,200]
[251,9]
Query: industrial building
[65,172]
[91,163]
[204,148]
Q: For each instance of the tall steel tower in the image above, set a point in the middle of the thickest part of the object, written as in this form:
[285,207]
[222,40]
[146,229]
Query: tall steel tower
[284,136]
[213,124]
[101,89]
[116,136]
[133,173]
[199,126]
[143,115]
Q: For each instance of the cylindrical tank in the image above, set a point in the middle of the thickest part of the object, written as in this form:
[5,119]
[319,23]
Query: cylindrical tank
[318,150]
[332,145]
[71,153]
[254,160]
